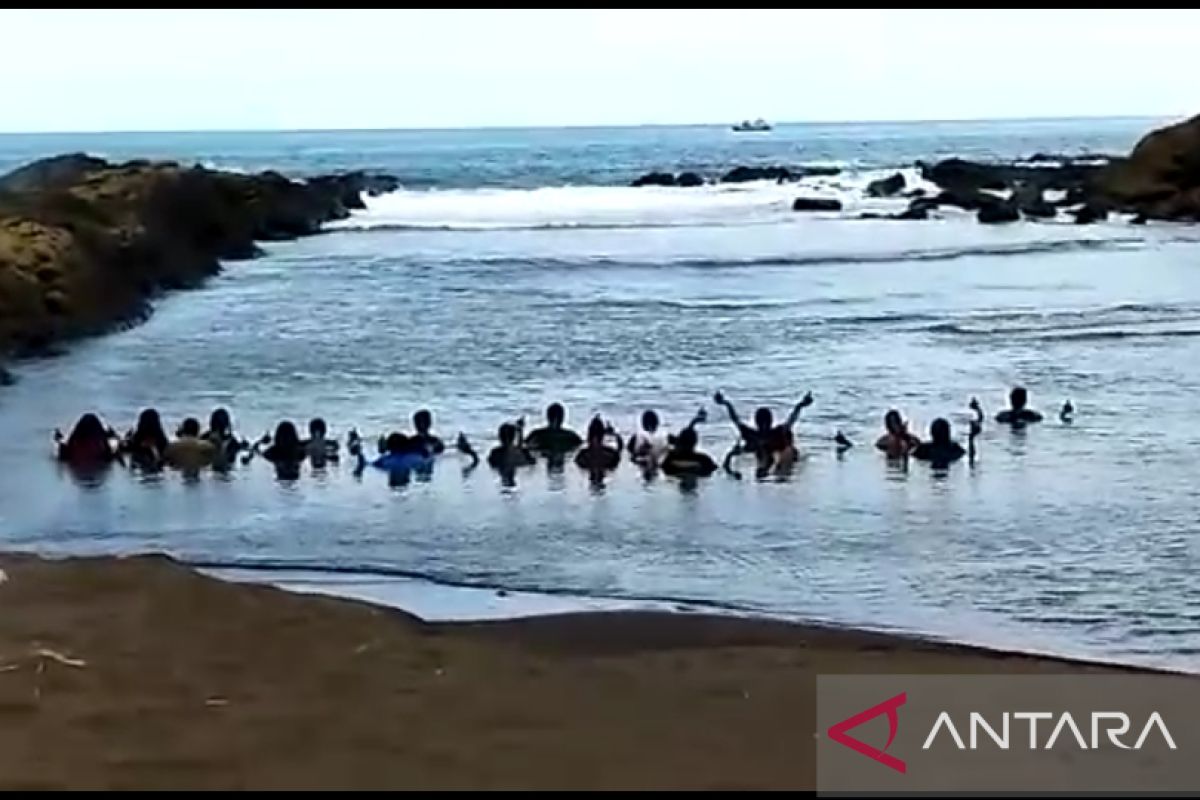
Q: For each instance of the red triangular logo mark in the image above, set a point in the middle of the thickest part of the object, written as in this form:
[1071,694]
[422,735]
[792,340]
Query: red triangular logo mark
[838,732]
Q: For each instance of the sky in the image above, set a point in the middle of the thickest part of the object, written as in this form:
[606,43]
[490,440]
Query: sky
[93,70]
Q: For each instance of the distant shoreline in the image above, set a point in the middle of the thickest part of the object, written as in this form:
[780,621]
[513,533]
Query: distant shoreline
[585,127]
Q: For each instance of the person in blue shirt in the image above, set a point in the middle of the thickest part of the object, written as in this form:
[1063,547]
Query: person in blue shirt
[402,455]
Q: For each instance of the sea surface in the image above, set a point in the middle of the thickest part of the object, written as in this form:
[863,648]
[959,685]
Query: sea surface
[516,267]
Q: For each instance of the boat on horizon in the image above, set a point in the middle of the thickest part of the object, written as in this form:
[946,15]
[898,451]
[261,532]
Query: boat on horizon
[747,126]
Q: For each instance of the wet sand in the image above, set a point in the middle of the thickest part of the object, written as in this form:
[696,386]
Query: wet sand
[139,673]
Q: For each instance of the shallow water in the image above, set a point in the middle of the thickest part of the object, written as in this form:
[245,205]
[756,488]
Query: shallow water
[488,303]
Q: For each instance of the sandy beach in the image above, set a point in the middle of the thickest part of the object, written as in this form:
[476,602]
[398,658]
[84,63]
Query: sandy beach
[139,673]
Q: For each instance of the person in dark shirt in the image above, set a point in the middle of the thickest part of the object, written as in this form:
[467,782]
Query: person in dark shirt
[423,422]
[766,439]
[941,450]
[554,438]
[684,459]
[511,452]
[596,454]
[1018,414]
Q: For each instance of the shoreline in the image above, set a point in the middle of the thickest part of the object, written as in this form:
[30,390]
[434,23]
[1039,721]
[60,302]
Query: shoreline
[138,672]
[443,602]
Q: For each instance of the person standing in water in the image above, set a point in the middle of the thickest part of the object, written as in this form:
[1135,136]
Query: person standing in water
[148,441]
[554,439]
[220,435]
[318,447]
[766,439]
[1018,413]
[90,445]
[596,455]
[897,441]
[684,460]
[189,452]
[423,423]
[941,450]
[651,444]
[511,451]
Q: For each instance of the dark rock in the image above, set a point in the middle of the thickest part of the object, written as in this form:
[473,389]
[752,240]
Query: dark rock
[918,192]
[744,174]
[689,179]
[966,199]
[957,173]
[1138,219]
[996,213]
[886,187]
[1030,202]
[1090,213]
[962,175]
[6,377]
[913,212]
[53,172]
[816,204]
[655,179]
[816,172]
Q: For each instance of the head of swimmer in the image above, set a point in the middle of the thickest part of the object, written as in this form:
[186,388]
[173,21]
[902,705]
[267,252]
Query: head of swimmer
[286,438]
[595,431]
[894,423]
[1018,398]
[649,422]
[190,427]
[939,431]
[556,415]
[763,419]
[507,434]
[317,429]
[423,421]
[220,422]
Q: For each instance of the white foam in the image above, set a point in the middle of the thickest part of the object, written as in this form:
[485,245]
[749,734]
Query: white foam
[576,206]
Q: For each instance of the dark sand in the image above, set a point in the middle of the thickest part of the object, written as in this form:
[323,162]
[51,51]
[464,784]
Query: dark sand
[190,682]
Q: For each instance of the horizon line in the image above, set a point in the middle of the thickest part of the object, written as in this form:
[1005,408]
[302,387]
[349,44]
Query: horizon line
[585,126]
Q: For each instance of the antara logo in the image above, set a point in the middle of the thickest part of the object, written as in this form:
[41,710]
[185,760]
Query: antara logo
[1114,725]
[838,732]
[1065,724]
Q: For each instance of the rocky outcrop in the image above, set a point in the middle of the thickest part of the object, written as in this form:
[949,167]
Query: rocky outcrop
[688,180]
[886,187]
[1161,177]
[56,171]
[816,204]
[85,245]
[961,175]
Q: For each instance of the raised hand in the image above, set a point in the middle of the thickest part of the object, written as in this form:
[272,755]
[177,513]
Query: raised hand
[807,400]
[718,398]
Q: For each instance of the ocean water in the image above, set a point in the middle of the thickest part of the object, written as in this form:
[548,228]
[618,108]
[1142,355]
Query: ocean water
[517,267]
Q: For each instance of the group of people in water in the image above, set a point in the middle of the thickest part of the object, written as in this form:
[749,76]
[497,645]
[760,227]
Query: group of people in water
[92,445]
